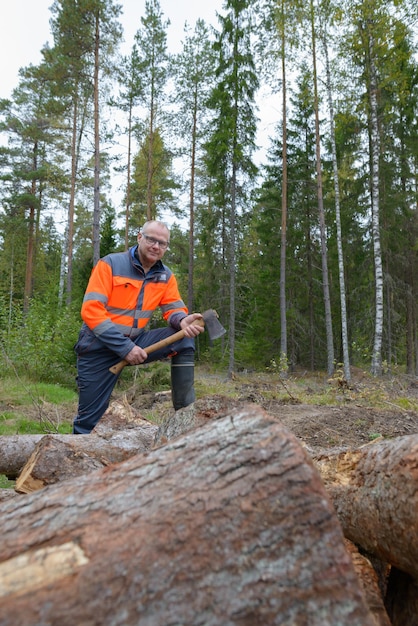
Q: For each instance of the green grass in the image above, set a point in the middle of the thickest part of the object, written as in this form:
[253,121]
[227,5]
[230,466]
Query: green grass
[34,408]
[20,392]
[5,483]
[38,408]
[20,425]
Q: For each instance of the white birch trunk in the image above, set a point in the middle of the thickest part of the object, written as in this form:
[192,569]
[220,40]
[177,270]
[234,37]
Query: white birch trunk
[376,367]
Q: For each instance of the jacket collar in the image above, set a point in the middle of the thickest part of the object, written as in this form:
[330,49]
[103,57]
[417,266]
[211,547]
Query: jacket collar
[157,267]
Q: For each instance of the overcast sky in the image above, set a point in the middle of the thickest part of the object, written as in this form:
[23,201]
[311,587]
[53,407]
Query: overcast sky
[24,29]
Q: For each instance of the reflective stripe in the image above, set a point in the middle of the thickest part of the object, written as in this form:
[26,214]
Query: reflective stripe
[129,313]
[115,312]
[120,299]
[146,315]
[94,295]
[179,304]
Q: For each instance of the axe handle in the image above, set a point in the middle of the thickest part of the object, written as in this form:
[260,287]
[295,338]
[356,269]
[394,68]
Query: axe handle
[118,367]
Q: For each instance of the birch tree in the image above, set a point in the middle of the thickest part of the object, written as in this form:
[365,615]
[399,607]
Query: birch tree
[369,29]
[324,17]
[376,366]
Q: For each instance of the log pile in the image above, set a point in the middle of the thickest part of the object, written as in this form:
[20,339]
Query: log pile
[40,460]
[219,516]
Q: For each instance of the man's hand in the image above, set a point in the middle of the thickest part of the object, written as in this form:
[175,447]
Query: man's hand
[191,329]
[136,356]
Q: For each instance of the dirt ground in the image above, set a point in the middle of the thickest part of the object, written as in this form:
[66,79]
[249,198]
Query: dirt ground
[366,410]
[322,413]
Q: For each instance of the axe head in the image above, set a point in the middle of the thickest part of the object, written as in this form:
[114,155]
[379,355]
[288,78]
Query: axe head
[212,324]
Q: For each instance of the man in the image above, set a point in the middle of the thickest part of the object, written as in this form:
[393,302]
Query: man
[124,290]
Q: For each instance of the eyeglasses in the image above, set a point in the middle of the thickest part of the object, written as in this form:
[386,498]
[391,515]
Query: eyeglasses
[153,242]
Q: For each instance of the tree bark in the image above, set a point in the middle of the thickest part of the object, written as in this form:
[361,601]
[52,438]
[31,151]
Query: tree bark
[228,524]
[53,461]
[6,494]
[374,491]
[116,438]
[195,415]
[321,211]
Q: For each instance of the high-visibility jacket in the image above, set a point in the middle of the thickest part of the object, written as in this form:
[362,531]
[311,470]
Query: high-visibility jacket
[120,299]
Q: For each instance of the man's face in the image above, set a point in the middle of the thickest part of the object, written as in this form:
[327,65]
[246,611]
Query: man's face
[151,244]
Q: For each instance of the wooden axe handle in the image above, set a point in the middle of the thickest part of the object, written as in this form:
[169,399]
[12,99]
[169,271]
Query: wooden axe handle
[118,367]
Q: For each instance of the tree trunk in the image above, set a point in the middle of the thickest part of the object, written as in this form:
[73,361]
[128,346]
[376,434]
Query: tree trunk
[341,272]
[227,525]
[374,490]
[71,206]
[31,236]
[283,234]
[320,196]
[112,443]
[376,367]
[190,278]
[53,461]
[128,178]
[97,207]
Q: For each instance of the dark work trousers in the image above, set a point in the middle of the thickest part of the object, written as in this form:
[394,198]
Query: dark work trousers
[94,380]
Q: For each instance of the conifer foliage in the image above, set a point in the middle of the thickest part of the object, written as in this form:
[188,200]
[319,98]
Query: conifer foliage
[94,143]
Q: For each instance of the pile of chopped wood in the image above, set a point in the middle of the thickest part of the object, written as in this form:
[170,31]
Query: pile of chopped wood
[218,516]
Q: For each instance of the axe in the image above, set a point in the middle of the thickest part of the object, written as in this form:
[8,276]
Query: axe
[210,322]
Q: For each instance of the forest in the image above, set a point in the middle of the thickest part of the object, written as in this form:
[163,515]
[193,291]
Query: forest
[309,258]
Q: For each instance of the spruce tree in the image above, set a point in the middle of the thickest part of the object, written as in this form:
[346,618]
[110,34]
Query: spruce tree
[232,137]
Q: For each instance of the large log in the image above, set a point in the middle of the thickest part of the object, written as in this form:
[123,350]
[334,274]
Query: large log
[193,416]
[115,439]
[15,451]
[229,524]
[6,494]
[374,491]
[53,461]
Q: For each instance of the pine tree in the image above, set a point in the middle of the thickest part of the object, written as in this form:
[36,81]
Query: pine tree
[151,43]
[29,119]
[193,75]
[320,195]
[131,91]
[83,31]
[163,183]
